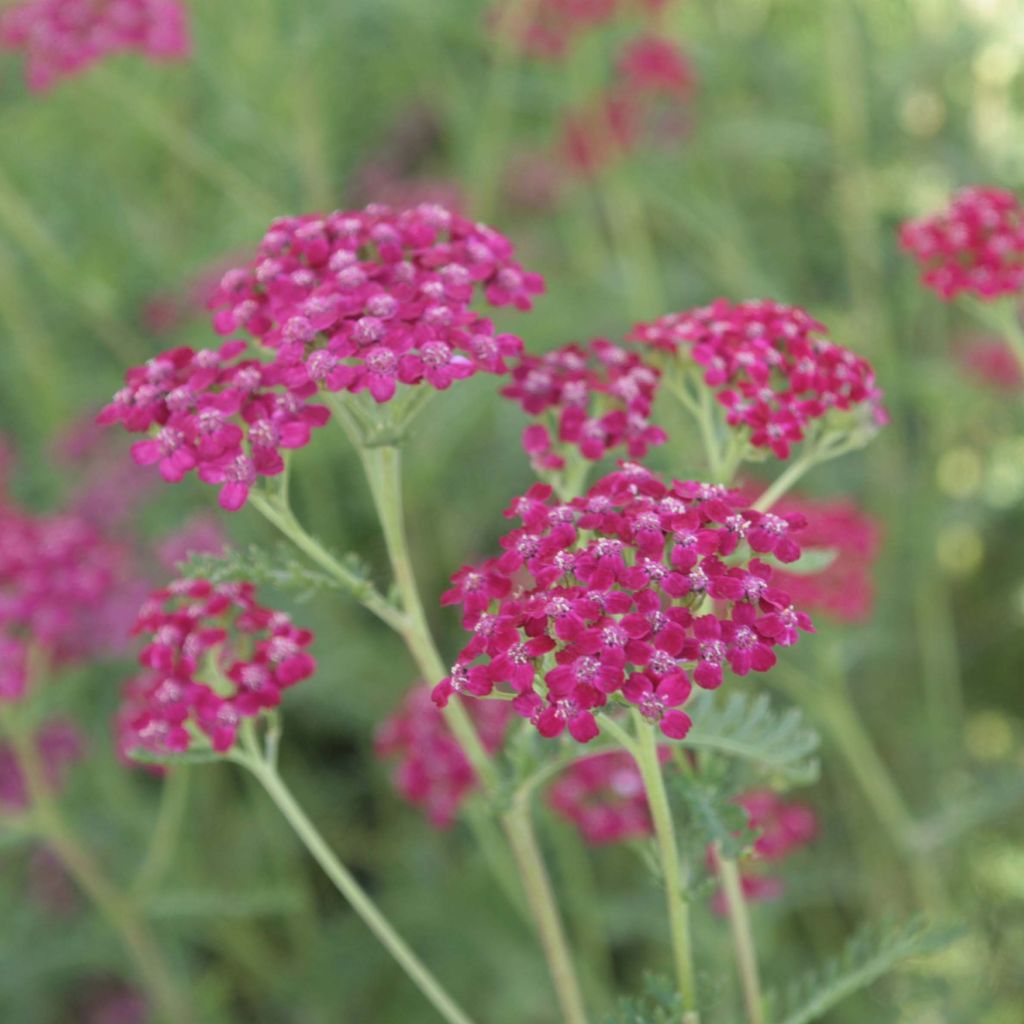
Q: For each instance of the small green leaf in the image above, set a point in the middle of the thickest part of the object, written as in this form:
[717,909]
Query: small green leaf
[748,728]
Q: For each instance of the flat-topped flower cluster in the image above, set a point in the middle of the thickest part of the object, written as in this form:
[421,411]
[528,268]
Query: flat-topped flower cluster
[623,593]
[594,399]
[214,657]
[773,367]
[63,37]
[354,301]
[975,246]
[58,576]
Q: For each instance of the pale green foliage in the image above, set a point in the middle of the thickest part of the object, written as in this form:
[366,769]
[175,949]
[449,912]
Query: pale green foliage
[872,952]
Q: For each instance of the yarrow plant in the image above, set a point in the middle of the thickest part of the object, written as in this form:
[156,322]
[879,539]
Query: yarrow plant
[588,402]
[773,369]
[61,38]
[601,599]
[433,771]
[974,250]
[214,657]
[361,302]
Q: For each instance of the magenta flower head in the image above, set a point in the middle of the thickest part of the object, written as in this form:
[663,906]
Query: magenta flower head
[603,796]
[59,577]
[369,303]
[773,369]
[432,771]
[375,299]
[63,37]
[653,64]
[992,363]
[591,401]
[976,246]
[213,657]
[623,596]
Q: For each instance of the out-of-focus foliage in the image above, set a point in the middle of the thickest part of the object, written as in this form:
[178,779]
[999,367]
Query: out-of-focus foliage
[817,126]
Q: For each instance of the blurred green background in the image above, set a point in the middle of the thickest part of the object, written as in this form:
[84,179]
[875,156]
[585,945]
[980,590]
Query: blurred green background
[816,127]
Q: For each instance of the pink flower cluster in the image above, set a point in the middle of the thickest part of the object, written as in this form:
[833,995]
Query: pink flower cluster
[63,37]
[843,589]
[58,578]
[596,399]
[602,598]
[992,363]
[59,744]
[603,796]
[367,300]
[772,367]
[974,246]
[650,71]
[432,771]
[360,301]
[227,418]
[784,828]
[214,657]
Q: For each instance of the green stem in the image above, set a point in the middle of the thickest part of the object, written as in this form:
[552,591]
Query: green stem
[351,889]
[164,838]
[537,885]
[278,512]
[644,749]
[118,910]
[383,470]
[787,479]
[742,938]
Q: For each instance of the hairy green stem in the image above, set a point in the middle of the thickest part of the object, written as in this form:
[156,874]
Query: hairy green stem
[644,749]
[114,906]
[347,885]
[742,938]
[541,898]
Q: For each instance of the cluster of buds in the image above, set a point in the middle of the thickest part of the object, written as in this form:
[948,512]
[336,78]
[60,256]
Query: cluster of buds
[603,598]
[62,37]
[214,657]
[772,367]
[355,302]
[227,418]
[432,771]
[594,400]
[976,246]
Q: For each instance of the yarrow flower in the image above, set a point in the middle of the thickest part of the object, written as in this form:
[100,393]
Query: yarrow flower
[653,64]
[772,367]
[975,246]
[602,599]
[228,418]
[592,399]
[432,770]
[992,363]
[603,796]
[843,589]
[63,37]
[214,657]
[59,744]
[367,300]
[363,301]
[58,578]
[784,828]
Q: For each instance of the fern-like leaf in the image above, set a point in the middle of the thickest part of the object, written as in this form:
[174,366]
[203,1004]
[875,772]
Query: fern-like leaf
[749,728]
[871,953]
